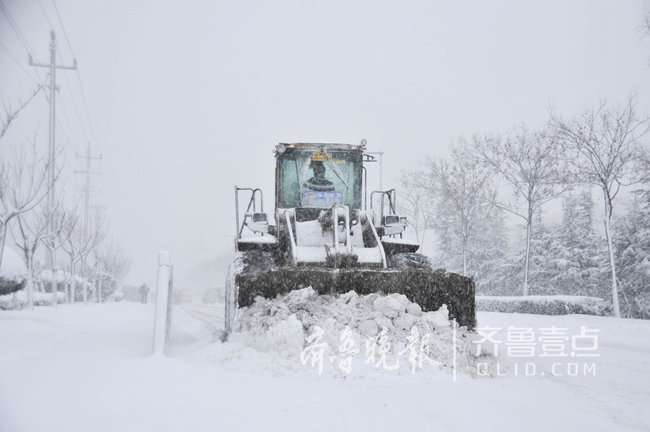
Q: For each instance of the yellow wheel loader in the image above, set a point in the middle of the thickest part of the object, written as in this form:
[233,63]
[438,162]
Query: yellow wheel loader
[328,232]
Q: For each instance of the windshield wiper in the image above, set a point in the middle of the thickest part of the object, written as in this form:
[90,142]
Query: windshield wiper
[338,173]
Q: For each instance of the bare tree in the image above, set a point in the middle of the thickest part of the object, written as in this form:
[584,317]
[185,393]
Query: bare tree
[28,235]
[415,202]
[11,113]
[533,165]
[462,188]
[78,241]
[113,261]
[53,240]
[112,265]
[23,186]
[68,241]
[606,146]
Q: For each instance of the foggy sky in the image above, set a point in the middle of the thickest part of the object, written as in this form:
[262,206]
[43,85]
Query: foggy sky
[188,99]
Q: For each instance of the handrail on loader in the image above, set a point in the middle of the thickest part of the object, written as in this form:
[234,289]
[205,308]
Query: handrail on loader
[391,194]
[252,202]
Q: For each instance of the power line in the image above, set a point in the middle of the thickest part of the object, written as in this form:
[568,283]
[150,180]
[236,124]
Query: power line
[88,157]
[84,99]
[19,64]
[20,36]
[65,32]
[83,120]
[11,116]
[63,122]
[85,102]
[75,110]
[15,28]
[47,17]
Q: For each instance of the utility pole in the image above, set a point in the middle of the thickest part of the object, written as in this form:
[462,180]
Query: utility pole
[52,66]
[87,172]
[99,268]
[88,157]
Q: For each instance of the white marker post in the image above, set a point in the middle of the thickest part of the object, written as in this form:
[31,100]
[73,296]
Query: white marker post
[161,317]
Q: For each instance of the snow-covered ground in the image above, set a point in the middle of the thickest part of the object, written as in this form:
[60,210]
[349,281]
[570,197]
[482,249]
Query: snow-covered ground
[82,368]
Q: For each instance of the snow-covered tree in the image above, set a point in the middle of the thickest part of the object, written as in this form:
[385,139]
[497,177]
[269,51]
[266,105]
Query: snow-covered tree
[11,113]
[533,165]
[78,240]
[567,258]
[415,202]
[492,264]
[632,246]
[112,265]
[605,146]
[462,193]
[23,186]
[28,233]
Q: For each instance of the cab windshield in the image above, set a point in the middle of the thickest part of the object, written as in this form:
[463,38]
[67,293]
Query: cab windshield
[319,180]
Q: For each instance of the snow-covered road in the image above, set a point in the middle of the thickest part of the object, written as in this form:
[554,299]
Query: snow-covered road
[86,368]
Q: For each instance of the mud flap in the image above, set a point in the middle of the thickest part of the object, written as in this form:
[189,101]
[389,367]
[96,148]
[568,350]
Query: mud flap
[231,293]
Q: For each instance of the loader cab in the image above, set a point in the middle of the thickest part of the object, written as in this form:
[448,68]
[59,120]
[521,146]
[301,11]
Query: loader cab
[319,186]
[318,176]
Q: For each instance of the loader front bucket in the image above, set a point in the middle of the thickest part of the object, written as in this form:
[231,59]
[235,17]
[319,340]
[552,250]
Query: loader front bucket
[430,289]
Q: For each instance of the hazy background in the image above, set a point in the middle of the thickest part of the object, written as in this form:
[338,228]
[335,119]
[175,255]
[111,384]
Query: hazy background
[186,100]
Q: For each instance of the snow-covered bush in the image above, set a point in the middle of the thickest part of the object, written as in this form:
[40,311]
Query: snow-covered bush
[117,295]
[12,272]
[543,305]
[18,300]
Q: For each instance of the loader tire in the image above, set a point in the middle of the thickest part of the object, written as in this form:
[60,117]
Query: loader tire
[256,261]
[248,263]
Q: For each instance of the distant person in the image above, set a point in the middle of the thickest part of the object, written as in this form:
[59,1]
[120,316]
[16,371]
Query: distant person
[144,292]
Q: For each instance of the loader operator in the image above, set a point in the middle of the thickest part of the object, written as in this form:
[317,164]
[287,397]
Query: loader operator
[318,182]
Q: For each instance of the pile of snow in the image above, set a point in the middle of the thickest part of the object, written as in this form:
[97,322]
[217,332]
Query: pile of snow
[18,299]
[347,334]
[543,305]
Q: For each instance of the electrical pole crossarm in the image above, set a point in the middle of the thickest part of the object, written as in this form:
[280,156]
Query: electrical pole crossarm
[99,157]
[88,172]
[49,66]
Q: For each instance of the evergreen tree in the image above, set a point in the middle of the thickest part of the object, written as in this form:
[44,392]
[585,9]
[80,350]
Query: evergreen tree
[486,259]
[493,269]
[543,240]
[580,257]
[633,252]
[462,193]
[568,258]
